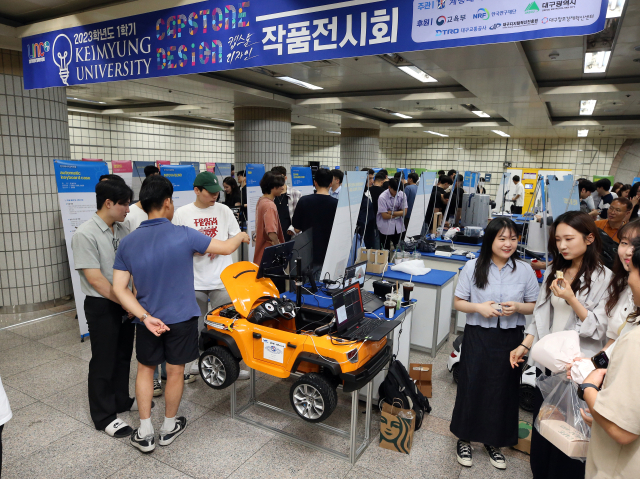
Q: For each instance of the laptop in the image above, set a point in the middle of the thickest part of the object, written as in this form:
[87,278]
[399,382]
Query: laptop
[356,274]
[350,320]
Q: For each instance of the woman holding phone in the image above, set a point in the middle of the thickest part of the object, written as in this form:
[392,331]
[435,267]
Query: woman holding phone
[574,284]
[496,291]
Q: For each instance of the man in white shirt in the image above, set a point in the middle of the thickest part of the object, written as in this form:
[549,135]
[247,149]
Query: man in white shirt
[518,197]
[215,220]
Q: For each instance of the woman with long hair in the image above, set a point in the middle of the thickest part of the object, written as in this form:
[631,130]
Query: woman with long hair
[567,302]
[232,196]
[624,190]
[634,197]
[496,291]
[616,187]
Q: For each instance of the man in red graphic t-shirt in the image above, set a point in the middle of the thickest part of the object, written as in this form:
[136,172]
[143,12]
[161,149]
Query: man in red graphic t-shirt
[216,221]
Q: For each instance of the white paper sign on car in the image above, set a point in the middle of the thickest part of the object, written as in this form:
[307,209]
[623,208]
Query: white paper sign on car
[273,350]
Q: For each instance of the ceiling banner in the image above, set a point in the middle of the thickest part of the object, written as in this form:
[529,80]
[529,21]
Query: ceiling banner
[215,36]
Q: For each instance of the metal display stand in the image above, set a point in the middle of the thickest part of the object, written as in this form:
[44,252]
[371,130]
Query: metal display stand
[355,450]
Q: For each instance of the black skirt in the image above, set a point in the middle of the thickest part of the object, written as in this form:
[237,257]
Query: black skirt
[487,402]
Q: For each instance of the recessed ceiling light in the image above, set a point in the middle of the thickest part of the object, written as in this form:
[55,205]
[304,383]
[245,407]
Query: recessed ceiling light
[301,83]
[418,74]
[87,101]
[481,114]
[401,115]
[436,133]
[587,107]
[614,9]
[583,133]
[501,133]
[596,62]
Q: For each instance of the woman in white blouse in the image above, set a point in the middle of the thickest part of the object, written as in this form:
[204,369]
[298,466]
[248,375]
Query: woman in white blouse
[5,415]
[567,302]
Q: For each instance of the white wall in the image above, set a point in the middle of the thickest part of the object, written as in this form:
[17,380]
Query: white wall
[113,138]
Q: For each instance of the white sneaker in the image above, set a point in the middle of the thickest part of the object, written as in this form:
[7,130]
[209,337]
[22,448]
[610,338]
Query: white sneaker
[118,428]
[244,374]
[189,378]
[194,369]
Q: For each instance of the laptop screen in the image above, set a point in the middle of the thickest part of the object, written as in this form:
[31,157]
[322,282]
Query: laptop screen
[348,307]
[355,274]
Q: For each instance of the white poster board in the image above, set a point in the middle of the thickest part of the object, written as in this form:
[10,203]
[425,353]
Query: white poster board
[76,182]
[254,173]
[427,181]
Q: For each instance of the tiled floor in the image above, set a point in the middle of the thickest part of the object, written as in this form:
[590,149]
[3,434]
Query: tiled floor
[44,367]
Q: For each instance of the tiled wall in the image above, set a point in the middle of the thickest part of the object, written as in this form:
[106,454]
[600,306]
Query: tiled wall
[113,138]
[586,157]
[306,148]
[262,141]
[358,152]
[33,131]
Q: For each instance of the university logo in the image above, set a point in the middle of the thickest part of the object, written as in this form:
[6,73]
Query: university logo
[37,50]
[532,8]
[441,21]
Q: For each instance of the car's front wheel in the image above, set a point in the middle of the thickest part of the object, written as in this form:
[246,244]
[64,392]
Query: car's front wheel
[218,368]
[313,397]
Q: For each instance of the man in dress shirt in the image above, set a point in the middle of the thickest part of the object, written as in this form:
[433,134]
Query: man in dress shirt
[392,207]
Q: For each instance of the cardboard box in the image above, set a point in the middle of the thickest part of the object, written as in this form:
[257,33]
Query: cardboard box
[375,268]
[421,374]
[371,255]
[566,438]
[363,255]
[524,437]
[382,256]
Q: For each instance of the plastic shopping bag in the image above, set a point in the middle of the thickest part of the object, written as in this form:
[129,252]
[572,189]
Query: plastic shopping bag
[555,351]
[559,420]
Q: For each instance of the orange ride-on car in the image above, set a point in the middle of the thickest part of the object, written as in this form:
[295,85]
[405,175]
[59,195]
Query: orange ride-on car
[275,337]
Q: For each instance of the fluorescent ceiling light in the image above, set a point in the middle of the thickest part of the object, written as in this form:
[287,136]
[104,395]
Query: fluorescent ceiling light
[302,127]
[418,74]
[87,101]
[221,119]
[300,83]
[587,107]
[614,9]
[177,122]
[436,133]
[596,62]
[582,133]
[402,115]
[334,132]
[481,114]
[501,133]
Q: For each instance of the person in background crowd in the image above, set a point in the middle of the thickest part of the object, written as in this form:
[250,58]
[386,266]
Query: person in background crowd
[586,188]
[455,208]
[624,190]
[233,169]
[336,183]
[517,196]
[151,170]
[392,207]
[399,177]
[567,304]
[232,195]
[5,416]
[618,215]
[451,174]
[318,212]
[619,304]
[159,255]
[242,183]
[411,189]
[217,221]
[615,189]
[268,229]
[480,188]
[634,197]
[366,223]
[604,197]
[496,290]
[286,203]
[377,189]
[614,449]
[385,184]
[111,177]
[440,173]
[370,175]
[437,201]
[94,246]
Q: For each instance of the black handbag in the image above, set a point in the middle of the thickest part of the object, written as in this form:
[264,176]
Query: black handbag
[426,246]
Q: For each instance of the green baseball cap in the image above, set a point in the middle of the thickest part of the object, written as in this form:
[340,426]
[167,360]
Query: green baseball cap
[208,181]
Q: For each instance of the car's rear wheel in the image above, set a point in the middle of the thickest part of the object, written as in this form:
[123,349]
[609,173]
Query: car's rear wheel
[455,370]
[313,397]
[527,397]
[218,368]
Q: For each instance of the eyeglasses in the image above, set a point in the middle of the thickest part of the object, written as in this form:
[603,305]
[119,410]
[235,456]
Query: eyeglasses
[617,210]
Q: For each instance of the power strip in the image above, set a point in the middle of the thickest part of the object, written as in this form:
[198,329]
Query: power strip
[446,254]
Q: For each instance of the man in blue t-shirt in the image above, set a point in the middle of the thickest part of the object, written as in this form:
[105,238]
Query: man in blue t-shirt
[159,256]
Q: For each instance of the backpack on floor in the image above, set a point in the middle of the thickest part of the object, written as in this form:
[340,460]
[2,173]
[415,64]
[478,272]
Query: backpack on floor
[399,386]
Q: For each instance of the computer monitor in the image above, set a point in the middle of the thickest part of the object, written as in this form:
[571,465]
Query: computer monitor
[303,249]
[275,259]
[355,274]
[348,307]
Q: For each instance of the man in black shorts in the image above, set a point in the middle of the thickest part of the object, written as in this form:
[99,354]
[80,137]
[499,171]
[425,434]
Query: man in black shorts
[159,256]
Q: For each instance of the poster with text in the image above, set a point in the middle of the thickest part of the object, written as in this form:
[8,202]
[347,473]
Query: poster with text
[124,169]
[255,172]
[423,194]
[76,182]
[182,178]
[138,176]
[302,179]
